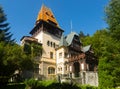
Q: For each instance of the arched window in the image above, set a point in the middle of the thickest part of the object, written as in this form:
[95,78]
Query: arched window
[51,43]
[51,70]
[60,69]
[48,43]
[54,45]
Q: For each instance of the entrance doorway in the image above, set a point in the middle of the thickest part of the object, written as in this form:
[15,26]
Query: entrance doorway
[76,69]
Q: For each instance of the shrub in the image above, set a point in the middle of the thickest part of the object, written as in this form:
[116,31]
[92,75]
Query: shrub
[88,87]
[31,83]
[35,84]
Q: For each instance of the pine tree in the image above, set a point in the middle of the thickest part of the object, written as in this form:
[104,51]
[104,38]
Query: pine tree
[12,57]
[5,35]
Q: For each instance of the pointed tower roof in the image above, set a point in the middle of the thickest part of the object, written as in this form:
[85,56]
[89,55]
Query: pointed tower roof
[63,41]
[46,15]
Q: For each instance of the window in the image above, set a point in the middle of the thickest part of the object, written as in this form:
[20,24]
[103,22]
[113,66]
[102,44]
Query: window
[52,16]
[51,44]
[47,13]
[51,70]
[91,67]
[60,55]
[36,68]
[65,55]
[51,54]
[59,69]
[66,67]
[54,45]
[48,43]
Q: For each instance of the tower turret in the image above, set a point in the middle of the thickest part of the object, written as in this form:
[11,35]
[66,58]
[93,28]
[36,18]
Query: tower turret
[46,22]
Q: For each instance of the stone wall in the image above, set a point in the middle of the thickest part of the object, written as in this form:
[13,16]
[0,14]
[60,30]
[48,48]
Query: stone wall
[87,78]
[91,78]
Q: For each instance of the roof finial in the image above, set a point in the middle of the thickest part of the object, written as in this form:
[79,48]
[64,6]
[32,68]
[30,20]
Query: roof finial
[42,2]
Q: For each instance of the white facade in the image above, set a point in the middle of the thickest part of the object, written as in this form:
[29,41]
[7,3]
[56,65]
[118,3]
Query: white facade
[44,38]
[61,59]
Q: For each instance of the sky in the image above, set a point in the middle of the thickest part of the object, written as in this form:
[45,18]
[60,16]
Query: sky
[72,15]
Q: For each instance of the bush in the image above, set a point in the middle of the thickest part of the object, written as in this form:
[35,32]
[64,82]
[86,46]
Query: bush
[35,84]
[31,83]
[88,87]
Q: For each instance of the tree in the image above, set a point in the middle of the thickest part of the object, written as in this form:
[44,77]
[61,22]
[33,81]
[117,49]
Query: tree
[105,49]
[4,28]
[97,41]
[33,49]
[113,18]
[109,61]
[12,56]
[83,37]
[81,34]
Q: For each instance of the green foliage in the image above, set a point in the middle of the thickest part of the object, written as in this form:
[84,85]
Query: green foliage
[37,49]
[82,37]
[113,18]
[107,50]
[27,49]
[35,84]
[33,49]
[47,82]
[13,58]
[109,70]
[88,87]
[97,41]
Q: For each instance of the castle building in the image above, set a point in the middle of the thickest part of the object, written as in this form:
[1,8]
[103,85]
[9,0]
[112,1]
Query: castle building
[62,56]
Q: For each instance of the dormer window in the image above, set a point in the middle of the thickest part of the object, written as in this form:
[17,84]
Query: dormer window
[51,22]
[52,16]
[47,13]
